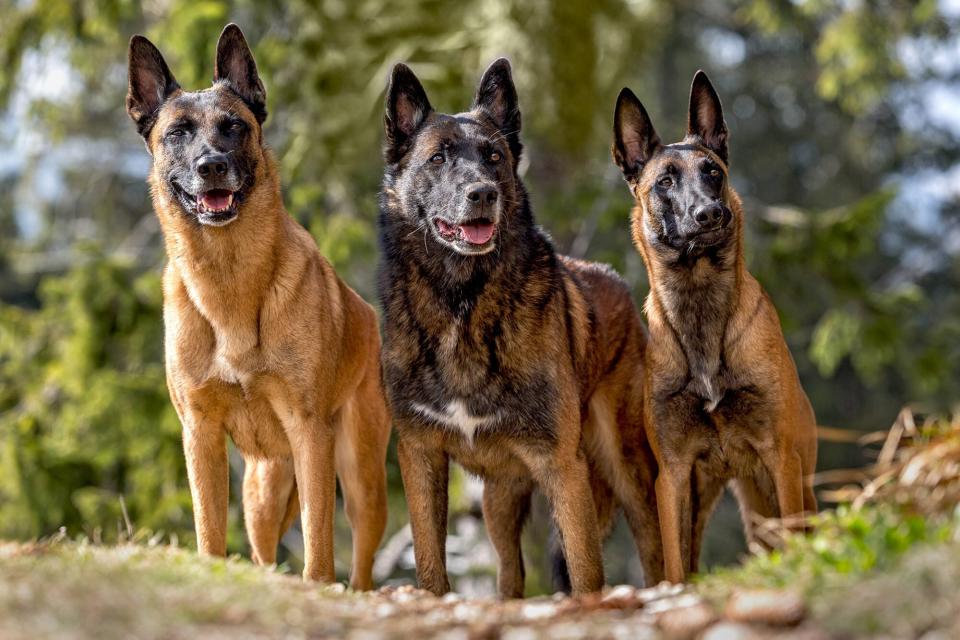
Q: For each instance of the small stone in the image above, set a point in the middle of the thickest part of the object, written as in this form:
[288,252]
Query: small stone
[686,622]
[538,610]
[620,592]
[519,633]
[730,631]
[465,612]
[486,631]
[662,590]
[673,602]
[782,608]
[335,588]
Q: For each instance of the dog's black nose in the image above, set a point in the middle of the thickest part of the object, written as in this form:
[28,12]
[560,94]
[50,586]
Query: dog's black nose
[710,215]
[481,193]
[212,164]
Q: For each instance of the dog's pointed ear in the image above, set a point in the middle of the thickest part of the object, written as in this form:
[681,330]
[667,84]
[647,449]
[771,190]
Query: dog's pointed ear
[705,120]
[149,83]
[497,97]
[634,138]
[235,66]
[407,108]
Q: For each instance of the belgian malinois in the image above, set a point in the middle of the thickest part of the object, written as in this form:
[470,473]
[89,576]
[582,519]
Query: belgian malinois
[722,397]
[263,341]
[519,364]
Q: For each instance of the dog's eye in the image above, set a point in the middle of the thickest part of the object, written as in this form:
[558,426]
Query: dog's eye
[437,158]
[666,182]
[235,126]
[495,157]
[176,133]
[714,172]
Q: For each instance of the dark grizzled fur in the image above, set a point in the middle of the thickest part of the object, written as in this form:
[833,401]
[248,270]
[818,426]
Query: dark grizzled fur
[523,274]
[518,333]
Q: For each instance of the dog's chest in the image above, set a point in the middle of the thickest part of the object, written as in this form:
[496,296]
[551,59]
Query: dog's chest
[494,403]
[455,416]
[235,358]
[733,434]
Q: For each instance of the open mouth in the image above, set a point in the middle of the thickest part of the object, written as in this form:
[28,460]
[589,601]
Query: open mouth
[214,207]
[476,232]
[217,207]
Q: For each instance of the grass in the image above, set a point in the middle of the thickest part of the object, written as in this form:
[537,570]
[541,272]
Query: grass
[79,590]
[64,590]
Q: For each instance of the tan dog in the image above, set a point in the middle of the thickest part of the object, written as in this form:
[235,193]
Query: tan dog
[722,397]
[263,341]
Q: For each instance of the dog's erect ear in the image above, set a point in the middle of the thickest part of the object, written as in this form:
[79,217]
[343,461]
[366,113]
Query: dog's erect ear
[149,85]
[634,138]
[497,97]
[407,108]
[236,66]
[705,120]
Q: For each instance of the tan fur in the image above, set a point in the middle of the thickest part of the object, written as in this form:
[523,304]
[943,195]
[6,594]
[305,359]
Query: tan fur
[266,344]
[768,449]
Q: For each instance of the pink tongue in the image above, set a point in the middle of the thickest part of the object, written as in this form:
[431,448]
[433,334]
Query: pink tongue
[477,233]
[216,200]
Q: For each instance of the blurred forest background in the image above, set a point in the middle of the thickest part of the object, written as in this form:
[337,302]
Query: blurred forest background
[845,125]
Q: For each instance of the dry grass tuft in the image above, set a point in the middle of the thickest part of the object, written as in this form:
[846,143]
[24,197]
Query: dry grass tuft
[917,468]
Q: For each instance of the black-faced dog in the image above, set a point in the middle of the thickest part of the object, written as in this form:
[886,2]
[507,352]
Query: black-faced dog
[523,366]
[262,340]
[722,398]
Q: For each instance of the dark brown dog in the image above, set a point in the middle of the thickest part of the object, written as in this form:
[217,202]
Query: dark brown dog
[263,341]
[721,395]
[523,366]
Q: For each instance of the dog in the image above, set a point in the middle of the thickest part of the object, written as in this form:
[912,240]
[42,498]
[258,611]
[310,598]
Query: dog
[521,365]
[722,398]
[263,341]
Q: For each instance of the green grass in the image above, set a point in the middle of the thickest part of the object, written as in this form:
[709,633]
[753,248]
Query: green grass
[81,590]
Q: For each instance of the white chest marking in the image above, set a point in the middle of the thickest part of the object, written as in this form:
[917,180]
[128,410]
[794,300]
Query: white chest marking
[222,369]
[456,417]
[712,394]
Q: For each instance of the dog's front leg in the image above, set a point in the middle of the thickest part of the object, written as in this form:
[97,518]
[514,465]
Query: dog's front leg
[205,448]
[673,506]
[565,479]
[312,443]
[424,471]
[787,474]
[506,505]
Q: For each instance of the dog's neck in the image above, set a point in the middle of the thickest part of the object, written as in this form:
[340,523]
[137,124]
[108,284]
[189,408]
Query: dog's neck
[694,299]
[228,264]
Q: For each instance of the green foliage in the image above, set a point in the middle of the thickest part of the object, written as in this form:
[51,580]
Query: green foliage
[84,413]
[863,573]
[847,544]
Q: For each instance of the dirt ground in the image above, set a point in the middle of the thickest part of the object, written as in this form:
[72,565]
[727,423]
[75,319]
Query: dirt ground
[69,590]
